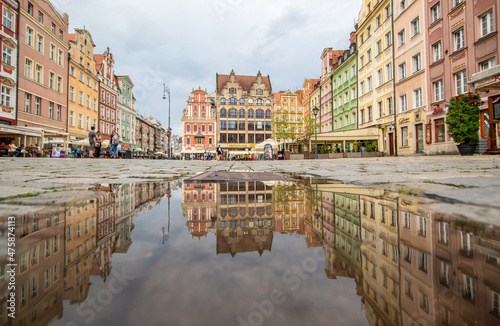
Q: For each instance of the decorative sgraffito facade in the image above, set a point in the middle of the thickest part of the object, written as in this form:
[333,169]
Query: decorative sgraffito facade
[244,115]
[83,85]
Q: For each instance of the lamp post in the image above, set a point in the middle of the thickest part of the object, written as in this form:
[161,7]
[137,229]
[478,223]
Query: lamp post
[214,113]
[166,90]
[315,111]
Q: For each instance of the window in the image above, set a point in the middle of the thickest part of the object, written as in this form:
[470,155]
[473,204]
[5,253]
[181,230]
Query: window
[39,43]
[380,109]
[6,94]
[80,120]
[388,39]
[27,103]
[362,88]
[379,21]
[389,72]
[457,2]
[459,39]
[72,93]
[436,12]
[495,303]
[6,55]
[233,101]
[487,64]
[415,27]
[40,17]
[402,71]
[438,90]
[51,80]
[468,290]
[80,97]
[58,112]
[362,113]
[29,36]
[7,19]
[461,82]
[404,136]
[362,61]
[369,84]
[417,94]
[443,233]
[389,106]
[379,47]
[402,5]
[440,130]
[487,23]
[71,121]
[417,62]
[38,73]
[369,55]
[401,38]
[370,113]
[437,51]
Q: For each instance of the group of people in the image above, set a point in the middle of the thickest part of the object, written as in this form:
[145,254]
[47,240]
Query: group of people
[15,151]
[95,140]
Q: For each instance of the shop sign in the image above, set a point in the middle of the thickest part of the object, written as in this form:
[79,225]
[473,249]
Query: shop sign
[496,110]
[428,133]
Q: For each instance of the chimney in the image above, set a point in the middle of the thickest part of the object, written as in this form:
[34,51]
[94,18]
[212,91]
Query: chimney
[353,37]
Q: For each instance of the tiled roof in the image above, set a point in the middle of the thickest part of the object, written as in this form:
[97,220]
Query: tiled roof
[244,81]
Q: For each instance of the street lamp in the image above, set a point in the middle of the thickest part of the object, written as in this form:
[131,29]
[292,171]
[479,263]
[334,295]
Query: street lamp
[315,111]
[214,113]
[166,90]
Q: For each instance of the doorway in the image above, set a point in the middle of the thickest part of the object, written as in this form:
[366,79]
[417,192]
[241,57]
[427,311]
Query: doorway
[391,144]
[419,130]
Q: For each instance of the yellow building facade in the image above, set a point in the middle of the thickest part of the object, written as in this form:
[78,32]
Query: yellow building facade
[288,108]
[376,71]
[83,85]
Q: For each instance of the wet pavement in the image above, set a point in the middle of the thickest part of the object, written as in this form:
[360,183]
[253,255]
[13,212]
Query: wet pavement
[103,242]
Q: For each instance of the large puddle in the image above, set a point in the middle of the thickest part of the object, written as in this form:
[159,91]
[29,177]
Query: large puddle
[248,253]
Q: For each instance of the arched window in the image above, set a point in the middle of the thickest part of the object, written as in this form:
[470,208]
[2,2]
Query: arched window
[233,101]
[250,113]
[268,114]
[242,101]
[223,100]
[242,114]
[268,102]
[232,113]
[250,101]
[223,113]
[260,102]
[259,114]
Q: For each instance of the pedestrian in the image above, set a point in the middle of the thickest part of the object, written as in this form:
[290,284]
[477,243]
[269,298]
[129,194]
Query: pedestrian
[119,150]
[92,136]
[12,148]
[114,144]
[20,150]
[219,153]
[98,144]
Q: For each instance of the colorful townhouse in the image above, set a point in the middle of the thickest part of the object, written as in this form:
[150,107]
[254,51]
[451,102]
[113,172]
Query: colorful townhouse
[328,57]
[410,61]
[307,89]
[43,66]
[376,88]
[462,38]
[344,93]
[8,65]
[198,125]
[83,85]
[244,111]
[108,93]
[288,117]
[125,111]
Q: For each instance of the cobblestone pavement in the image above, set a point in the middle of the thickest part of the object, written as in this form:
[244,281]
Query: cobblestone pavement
[471,183]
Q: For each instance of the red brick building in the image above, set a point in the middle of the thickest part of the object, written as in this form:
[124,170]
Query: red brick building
[108,93]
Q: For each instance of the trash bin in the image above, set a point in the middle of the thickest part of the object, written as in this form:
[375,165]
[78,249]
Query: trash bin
[127,154]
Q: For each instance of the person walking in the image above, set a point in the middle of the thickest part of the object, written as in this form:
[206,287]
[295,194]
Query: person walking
[219,153]
[98,144]
[92,136]
[114,144]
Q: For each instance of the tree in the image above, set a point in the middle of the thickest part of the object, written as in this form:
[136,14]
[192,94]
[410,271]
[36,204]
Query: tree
[282,128]
[463,118]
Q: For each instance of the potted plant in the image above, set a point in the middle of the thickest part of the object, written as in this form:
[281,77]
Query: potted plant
[463,121]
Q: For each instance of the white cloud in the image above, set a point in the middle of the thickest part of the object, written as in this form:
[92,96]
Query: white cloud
[185,43]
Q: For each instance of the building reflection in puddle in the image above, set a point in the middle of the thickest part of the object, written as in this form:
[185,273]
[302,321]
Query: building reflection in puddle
[58,249]
[411,266]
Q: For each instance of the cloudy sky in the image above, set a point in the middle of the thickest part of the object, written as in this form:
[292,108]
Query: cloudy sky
[185,43]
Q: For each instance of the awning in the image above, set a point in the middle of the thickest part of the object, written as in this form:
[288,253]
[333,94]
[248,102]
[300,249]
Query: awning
[370,133]
[486,80]
[16,131]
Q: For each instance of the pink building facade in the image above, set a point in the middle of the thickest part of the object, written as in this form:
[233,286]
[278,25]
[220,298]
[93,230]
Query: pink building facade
[43,71]
[462,39]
